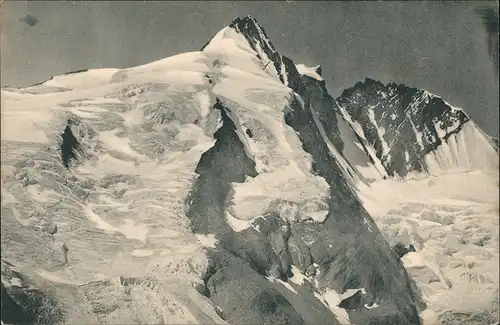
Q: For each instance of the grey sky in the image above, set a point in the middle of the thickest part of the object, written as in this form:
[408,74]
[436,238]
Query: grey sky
[439,46]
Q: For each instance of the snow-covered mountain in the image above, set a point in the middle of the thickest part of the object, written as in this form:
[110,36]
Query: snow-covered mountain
[227,186]
[406,130]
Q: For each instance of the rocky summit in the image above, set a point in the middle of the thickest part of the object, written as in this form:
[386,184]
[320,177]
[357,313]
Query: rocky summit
[227,186]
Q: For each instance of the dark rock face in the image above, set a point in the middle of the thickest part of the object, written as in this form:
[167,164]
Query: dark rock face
[318,70]
[495,143]
[70,147]
[402,124]
[353,302]
[235,280]
[211,192]
[401,249]
[348,246]
[13,312]
[76,71]
[244,296]
[22,305]
[314,93]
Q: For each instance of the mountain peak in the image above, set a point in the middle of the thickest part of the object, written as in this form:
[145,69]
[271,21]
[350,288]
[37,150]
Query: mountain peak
[245,20]
[371,84]
[399,126]
[246,23]
[248,27]
[251,29]
[374,83]
[258,40]
[318,70]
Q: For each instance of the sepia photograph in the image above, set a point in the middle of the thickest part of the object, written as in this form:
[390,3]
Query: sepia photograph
[250,162]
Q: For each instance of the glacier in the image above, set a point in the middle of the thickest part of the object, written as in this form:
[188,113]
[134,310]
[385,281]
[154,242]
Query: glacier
[226,185]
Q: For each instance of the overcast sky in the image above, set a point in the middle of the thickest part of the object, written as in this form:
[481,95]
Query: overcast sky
[442,47]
